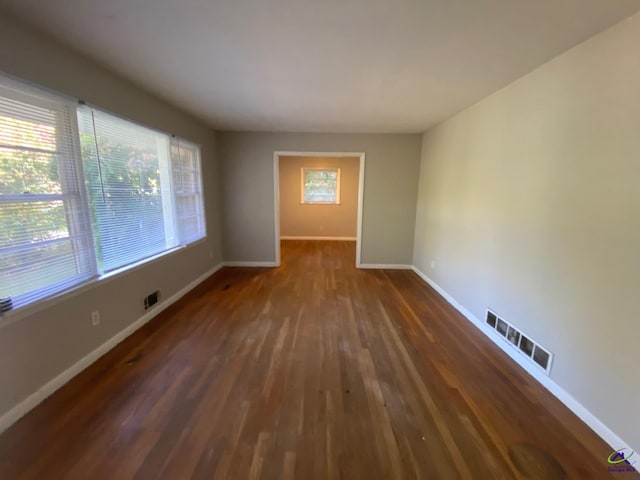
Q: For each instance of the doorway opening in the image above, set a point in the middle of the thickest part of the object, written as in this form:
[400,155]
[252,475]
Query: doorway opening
[317,195]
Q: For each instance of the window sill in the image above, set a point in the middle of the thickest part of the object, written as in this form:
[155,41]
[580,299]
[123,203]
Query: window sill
[13,316]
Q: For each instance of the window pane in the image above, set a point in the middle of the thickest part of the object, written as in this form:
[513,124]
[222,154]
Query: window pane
[44,242]
[320,185]
[130,199]
[41,266]
[23,172]
[28,126]
[187,180]
[190,227]
[186,158]
[31,222]
[187,205]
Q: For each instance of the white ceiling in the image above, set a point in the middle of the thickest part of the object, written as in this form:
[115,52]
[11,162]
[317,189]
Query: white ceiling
[322,65]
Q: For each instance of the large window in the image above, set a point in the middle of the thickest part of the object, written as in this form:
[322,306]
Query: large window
[83,193]
[45,242]
[144,189]
[320,185]
[129,185]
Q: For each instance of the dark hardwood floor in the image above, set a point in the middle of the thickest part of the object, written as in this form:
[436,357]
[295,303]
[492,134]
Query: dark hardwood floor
[314,370]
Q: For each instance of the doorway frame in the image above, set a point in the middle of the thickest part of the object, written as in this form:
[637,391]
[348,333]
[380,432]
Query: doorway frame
[276,204]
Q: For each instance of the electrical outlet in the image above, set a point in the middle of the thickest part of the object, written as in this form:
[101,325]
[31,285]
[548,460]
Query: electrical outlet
[211,253]
[433,264]
[321,228]
[95,318]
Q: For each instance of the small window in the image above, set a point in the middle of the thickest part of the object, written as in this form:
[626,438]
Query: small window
[187,184]
[320,185]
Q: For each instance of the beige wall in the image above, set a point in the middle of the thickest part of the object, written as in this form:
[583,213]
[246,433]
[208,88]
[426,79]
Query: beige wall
[308,220]
[247,185]
[529,204]
[37,348]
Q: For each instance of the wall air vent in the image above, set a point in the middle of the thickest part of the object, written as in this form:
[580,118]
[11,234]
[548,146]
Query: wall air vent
[491,319]
[538,355]
[151,299]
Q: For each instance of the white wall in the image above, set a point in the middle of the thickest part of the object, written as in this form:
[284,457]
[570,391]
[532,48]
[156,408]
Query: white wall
[37,348]
[529,203]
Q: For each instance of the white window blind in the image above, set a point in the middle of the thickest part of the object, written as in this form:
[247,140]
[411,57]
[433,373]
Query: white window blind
[45,243]
[127,171]
[84,193]
[187,182]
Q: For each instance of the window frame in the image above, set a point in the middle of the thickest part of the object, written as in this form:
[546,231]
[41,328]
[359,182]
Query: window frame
[303,171]
[79,220]
[72,191]
[197,193]
[95,116]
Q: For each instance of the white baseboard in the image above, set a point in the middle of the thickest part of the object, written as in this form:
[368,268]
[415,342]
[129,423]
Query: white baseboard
[566,398]
[251,264]
[385,266]
[18,411]
[10,417]
[343,239]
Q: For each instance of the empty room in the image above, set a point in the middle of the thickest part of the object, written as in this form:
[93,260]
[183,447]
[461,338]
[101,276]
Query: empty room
[319,240]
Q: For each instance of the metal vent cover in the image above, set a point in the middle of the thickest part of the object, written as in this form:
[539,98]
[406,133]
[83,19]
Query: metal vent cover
[526,346]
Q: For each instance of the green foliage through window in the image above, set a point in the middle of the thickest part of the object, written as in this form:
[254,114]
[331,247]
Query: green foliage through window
[321,185]
[83,193]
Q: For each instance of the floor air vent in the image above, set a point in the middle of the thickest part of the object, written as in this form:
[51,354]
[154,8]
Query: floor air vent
[523,343]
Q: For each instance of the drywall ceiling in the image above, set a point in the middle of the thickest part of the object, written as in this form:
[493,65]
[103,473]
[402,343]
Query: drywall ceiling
[322,66]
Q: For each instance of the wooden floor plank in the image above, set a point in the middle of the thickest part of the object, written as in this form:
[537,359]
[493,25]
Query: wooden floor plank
[313,370]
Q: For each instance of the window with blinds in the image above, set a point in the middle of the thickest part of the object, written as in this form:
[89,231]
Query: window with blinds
[126,170]
[84,193]
[144,189]
[187,181]
[45,243]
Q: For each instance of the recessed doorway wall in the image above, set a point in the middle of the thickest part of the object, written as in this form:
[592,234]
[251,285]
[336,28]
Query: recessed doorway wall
[319,218]
[337,217]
